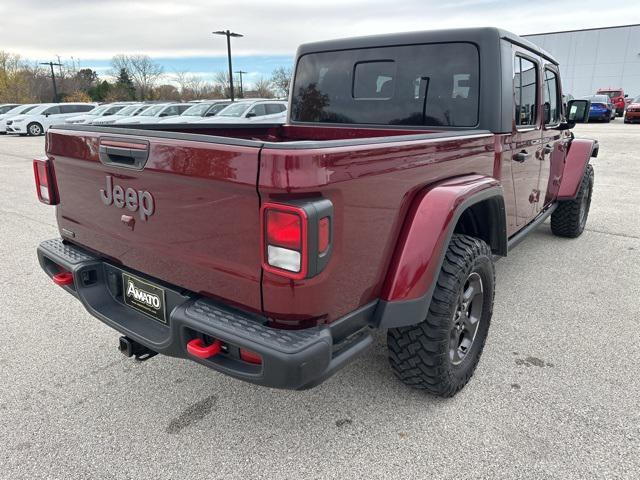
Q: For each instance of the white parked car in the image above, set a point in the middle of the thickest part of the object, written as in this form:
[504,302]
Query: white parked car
[38,120]
[20,109]
[155,113]
[251,111]
[198,111]
[101,111]
[126,112]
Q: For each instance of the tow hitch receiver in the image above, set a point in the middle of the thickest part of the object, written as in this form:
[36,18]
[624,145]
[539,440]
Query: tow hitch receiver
[131,348]
[196,348]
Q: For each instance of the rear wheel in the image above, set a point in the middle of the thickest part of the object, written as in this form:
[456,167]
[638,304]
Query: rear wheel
[35,129]
[570,218]
[441,353]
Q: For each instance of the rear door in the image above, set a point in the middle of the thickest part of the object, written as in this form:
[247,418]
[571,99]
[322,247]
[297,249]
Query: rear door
[187,215]
[554,141]
[525,149]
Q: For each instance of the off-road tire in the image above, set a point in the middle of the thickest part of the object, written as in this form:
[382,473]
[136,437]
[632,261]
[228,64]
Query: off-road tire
[34,129]
[570,218]
[420,355]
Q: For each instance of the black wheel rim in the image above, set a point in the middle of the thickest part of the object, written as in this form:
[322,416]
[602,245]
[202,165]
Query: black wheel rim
[466,318]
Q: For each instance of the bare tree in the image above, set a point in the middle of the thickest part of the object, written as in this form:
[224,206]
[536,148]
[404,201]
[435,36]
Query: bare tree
[221,79]
[143,71]
[262,88]
[281,80]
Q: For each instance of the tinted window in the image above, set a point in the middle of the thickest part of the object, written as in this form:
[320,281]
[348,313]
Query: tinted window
[273,108]
[258,111]
[551,98]
[84,108]
[171,110]
[52,110]
[525,86]
[182,108]
[407,85]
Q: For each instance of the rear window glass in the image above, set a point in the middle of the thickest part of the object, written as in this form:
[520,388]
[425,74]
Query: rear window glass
[433,84]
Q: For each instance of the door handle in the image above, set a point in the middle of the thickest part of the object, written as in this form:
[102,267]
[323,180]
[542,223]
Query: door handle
[521,156]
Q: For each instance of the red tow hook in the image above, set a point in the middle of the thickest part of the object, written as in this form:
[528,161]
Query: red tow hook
[63,278]
[196,348]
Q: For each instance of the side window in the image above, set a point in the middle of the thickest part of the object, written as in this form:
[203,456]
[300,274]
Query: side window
[273,108]
[258,111]
[172,110]
[551,98]
[52,110]
[68,109]
[374,80]
[525,86]
[182,108]
[84,108]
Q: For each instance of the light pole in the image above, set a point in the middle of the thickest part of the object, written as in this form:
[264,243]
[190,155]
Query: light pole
[240,72]
[53,79]
[229,34]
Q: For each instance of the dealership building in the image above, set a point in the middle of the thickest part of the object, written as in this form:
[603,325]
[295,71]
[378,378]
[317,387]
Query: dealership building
[595,58]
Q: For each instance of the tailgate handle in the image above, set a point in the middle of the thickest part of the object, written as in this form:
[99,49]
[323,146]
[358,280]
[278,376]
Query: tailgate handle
[124,153]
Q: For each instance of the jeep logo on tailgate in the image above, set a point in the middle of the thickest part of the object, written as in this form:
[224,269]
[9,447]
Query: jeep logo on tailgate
[140,201]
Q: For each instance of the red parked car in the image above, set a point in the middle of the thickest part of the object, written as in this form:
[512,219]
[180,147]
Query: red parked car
[270,252]
[632,114]
[618,98]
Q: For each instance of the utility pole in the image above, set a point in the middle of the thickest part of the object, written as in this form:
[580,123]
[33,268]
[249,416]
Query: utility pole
[53,78]
[240,72]
[229,34]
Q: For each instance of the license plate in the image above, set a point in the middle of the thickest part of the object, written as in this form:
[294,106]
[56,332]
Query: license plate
[144,297]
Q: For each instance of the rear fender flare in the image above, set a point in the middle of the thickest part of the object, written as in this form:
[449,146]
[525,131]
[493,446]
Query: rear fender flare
[578,155]
[422,245]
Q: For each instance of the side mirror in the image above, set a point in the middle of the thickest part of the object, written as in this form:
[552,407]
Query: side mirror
[577,112]
[164,114]
[251,114]
[626,96]
[47,114]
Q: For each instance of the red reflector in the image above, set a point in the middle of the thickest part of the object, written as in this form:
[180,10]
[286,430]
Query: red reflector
[197,348]
[250,357]
[63,278]
[323,235]
[284,229]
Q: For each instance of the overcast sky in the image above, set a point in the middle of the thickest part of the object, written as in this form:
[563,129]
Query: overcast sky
[177,33]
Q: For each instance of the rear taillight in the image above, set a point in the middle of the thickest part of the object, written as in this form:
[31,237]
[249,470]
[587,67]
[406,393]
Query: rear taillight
[45,182]
[296,237]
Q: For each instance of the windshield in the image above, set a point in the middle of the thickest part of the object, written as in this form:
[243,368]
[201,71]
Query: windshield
[40,108]
[610,93]
[130,110]
[235,110]
[98,110]
[197,110]
[21,109]
[113,109]
[153,111]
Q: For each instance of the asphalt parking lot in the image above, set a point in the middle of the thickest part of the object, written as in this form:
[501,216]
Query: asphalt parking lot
[556,394]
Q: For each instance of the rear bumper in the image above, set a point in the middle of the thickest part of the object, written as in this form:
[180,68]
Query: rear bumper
[632,116]
[290,359]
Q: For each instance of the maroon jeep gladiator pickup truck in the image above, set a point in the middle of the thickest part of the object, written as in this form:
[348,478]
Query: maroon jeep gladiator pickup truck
[408,163]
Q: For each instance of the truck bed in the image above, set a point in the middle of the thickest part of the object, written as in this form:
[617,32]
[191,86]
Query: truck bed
[208,183]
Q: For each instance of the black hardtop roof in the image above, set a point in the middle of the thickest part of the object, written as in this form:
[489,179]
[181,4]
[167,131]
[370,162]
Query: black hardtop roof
[475,35]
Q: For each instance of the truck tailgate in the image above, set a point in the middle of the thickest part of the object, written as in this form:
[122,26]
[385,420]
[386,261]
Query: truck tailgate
[203,232]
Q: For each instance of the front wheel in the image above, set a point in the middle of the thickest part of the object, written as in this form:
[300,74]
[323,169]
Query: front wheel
[441,353]
[35,129]
[570,218]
